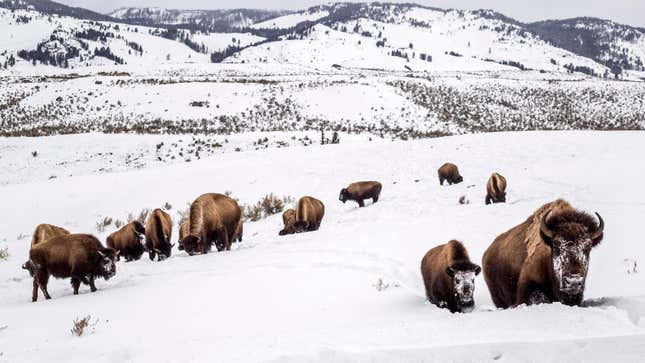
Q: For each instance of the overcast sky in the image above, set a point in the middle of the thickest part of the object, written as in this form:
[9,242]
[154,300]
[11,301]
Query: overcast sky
[623,11]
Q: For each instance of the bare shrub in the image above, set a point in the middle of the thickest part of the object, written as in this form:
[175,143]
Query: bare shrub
[141,218]
[118,223]
[265,207]
[4,253]
[103,224]
[167,206]
[78,329]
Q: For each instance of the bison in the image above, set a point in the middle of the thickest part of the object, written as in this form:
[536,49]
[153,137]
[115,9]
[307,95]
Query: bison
[450,173]
[44,232]
[309,214]
[496,189]
[449,277]
[80,257]
[289,220]
[214,218]
[360,191]
[158,233]
[127,241]
[543,260]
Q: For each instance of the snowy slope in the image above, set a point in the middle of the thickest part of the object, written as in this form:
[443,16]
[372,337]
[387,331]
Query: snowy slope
[291,20]
[314,297]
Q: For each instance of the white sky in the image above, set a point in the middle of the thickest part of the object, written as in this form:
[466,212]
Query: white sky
[630,12]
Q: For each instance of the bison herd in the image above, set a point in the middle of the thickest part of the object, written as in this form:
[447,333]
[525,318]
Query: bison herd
[544,259]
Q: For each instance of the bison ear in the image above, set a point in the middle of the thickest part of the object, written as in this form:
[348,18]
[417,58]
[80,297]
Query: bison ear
[478,270]
[450,271]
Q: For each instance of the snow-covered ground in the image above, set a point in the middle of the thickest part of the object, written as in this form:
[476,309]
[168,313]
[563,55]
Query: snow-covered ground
[350,292]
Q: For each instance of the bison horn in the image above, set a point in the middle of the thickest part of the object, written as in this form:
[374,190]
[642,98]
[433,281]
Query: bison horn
[544,228]
[172,245]
[101,253]
[601,227]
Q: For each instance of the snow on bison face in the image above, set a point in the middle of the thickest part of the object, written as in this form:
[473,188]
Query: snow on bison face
[571,240]
[464,286]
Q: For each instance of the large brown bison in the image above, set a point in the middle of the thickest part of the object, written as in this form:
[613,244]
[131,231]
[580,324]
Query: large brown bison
[214,218]
[127,241]
[158,234]
[360,191]
[450,173]
[44,232]
[449,277]
[545,259]
[309,214]
[496,189]
[80,257]
[289,220]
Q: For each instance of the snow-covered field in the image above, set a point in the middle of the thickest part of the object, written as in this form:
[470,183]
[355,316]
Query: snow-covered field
[350,292]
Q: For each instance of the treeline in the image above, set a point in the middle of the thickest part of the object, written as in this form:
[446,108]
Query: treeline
[182,36]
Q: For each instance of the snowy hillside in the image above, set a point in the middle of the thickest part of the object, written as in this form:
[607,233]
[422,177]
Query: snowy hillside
[350,292]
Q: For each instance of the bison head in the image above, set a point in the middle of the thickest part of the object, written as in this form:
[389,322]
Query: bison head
[301,226]
[29,266]
[287,230]
[107,262]
[571,235]
[463,279]
[343,195]
[459,179]
[139,229]
[190,244]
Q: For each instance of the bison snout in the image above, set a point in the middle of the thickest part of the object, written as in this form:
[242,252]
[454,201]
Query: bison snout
[573,283]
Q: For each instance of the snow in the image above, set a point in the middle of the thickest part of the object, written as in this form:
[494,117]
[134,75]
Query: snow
[352,291]
[291,20]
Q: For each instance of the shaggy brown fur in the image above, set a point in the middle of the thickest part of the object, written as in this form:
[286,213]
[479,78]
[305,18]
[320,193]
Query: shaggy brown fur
[184,230]
[44,232]
[450,173]
[309,214]
[496,189]
[519,264]
[439,267]
[289,220]
[214,218]
[127,241]
[158,234]
[360,191]
[80,257]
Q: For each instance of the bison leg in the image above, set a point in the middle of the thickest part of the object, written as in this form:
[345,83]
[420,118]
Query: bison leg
[34,293]
[537,297]
[441,181]
[76,283]
[487,199]
[361,203]
[224,239]
[91,283]
[375,198]
[43,279]
[151,255]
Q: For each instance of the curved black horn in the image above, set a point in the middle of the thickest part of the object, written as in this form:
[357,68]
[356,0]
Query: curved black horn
[544,228]
[601,227]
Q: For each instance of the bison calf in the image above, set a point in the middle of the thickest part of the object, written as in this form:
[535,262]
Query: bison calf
[44,232]
[158,234]
[289,220]
[127,241]
[450,173]
[449,277]
[309,214]
[496,189]
[80,257]
[360,191]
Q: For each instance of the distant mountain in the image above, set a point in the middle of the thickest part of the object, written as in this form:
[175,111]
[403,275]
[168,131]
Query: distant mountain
[51,7]
[605,41]
[204,20]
